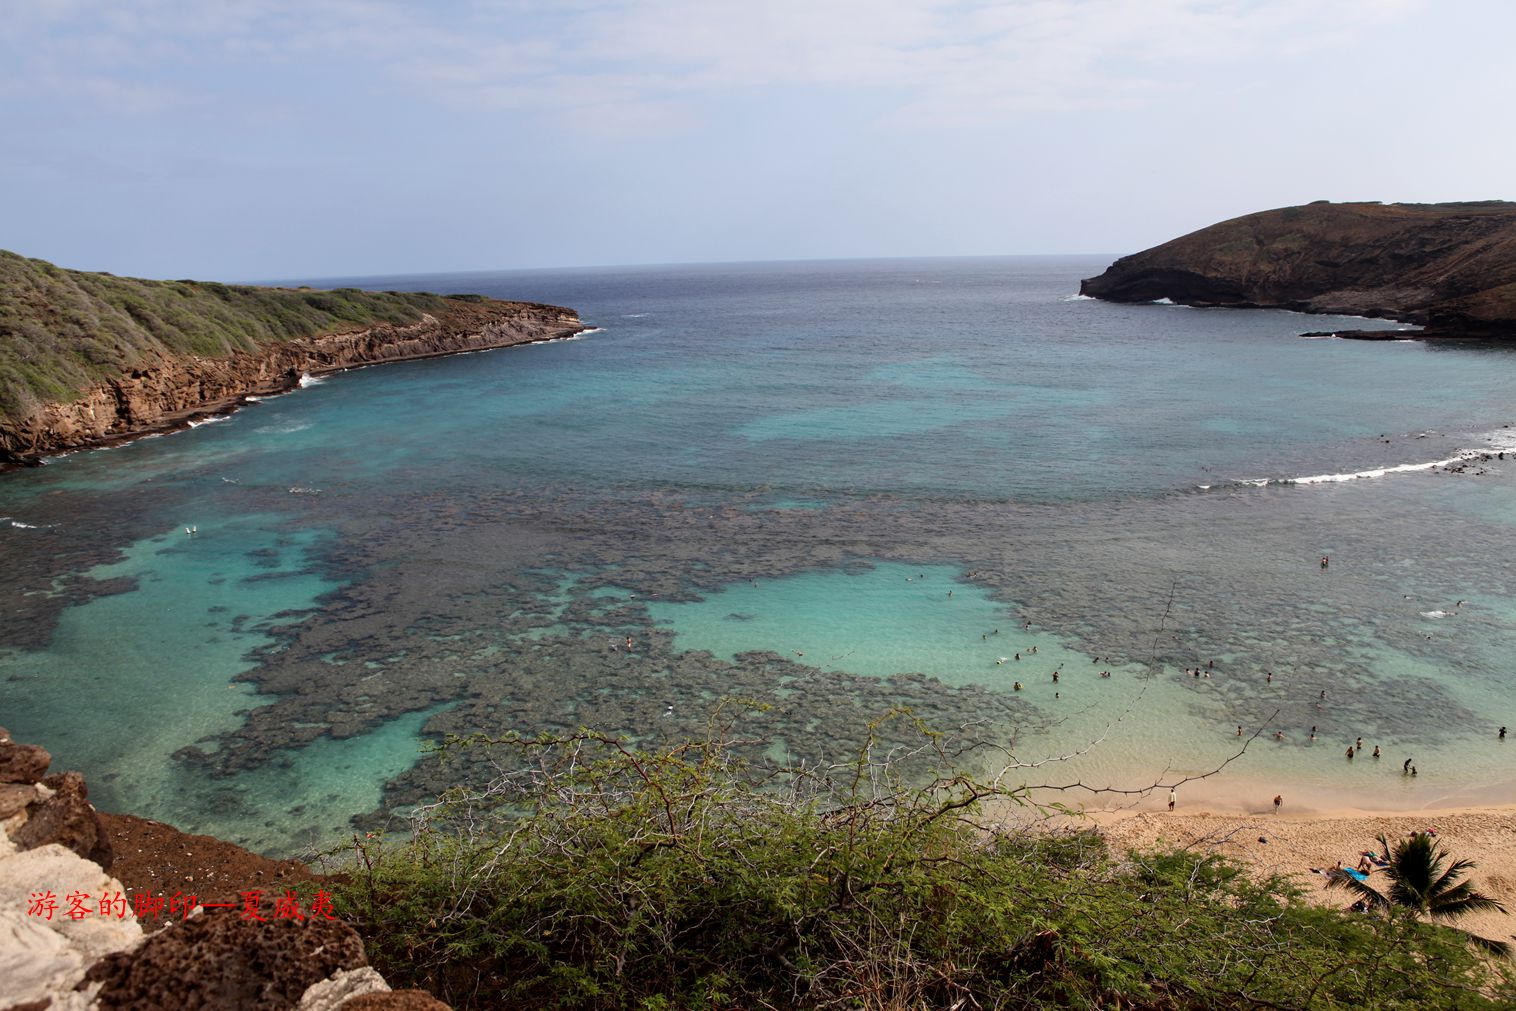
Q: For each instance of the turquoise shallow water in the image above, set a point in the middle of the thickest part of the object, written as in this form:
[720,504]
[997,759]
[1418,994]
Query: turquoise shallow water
[768,477]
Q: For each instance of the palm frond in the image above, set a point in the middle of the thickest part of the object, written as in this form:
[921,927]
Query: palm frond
[1368,893]
[1422,885]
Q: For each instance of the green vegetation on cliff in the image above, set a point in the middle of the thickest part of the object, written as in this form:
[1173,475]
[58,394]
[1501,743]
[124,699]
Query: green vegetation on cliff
[63,330]
[594,875]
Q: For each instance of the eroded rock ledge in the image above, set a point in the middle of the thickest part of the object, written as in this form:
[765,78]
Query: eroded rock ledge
[70,940]
[1448,267]
[170,392]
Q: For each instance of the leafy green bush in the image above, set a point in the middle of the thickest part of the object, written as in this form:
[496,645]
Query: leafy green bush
[591,874]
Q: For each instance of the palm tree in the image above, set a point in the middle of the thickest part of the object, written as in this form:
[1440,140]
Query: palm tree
[1420,885]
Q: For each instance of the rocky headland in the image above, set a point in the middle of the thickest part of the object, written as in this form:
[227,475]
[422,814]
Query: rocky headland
[90,359]
[1450,268]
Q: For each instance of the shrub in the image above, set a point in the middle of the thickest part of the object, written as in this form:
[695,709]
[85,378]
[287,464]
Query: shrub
[592,874]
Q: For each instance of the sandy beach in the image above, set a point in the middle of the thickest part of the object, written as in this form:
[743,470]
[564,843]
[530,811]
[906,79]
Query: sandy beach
[1290,844]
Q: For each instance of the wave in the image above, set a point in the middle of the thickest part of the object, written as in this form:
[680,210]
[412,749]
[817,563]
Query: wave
[206,421]
[1359,475]
[306,379]
[1080,297]
[558,340]
[1501,440]
[298,490]
[1436,614]
[633,315]
[31,526]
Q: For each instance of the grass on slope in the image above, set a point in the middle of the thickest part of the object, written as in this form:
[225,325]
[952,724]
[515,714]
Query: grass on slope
[62,330]
[595,875]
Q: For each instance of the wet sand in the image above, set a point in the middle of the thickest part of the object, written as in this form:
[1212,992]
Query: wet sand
[1291,842]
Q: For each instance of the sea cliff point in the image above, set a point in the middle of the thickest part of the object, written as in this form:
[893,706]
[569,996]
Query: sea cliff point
[90,358]
[1450,268]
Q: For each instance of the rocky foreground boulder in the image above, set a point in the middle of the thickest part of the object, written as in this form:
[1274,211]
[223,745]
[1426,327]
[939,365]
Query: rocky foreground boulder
[1448,267]
[71,938]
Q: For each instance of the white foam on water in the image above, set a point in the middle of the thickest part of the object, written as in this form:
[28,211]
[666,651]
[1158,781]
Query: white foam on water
[306,379]
[1358,475]
[1501,440]
[206,421]
[558,340]
[1079,297]
[1435,614]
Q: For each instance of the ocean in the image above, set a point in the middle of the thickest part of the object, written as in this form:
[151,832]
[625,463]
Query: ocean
[826,489]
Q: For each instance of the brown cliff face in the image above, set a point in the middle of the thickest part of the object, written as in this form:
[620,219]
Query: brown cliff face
[1449,267]
[168,393]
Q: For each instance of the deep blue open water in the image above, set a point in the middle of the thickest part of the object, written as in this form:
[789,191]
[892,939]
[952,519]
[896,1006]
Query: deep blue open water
[769,477]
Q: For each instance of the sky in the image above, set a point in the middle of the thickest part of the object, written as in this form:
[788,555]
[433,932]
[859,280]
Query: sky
[255,139]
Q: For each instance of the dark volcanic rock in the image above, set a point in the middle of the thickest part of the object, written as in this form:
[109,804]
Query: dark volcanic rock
[219,960]
[68,819]
[23,763]
[1449,267]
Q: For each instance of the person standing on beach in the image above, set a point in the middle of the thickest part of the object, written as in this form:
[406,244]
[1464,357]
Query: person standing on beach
[1278,799]
[1172,798]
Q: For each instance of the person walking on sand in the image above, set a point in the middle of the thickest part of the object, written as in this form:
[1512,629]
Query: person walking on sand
[1172,798]
[1278,799]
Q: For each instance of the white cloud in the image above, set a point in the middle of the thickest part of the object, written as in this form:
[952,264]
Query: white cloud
[655,62]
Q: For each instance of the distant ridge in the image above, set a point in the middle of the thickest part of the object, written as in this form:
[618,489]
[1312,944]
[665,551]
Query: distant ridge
[88,358]
[1448,267]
